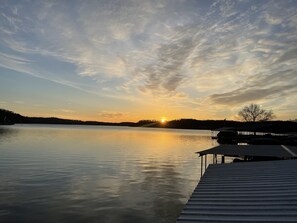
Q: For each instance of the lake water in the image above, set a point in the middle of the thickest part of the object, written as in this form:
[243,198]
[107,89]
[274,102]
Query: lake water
[58,173]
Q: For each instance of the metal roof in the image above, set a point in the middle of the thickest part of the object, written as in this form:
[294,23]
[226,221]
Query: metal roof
[245,192]
[253,150]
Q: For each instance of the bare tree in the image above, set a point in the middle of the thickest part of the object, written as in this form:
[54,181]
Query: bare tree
[254,113]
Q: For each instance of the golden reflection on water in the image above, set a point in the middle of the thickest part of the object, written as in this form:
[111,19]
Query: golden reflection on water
[83,173]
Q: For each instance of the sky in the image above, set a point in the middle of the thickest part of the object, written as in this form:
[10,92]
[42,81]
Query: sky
[114,60]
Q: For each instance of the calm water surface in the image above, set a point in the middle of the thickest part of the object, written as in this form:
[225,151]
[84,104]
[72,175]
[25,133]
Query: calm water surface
[56,173]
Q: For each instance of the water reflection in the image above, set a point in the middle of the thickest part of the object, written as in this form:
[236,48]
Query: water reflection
[88,174]
[164,182]
[7,133]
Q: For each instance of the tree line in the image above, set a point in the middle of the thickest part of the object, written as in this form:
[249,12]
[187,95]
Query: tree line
[9,117]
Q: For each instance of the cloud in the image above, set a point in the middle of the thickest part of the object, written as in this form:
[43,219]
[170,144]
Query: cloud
[269,85]
[168,72]
[287,76]
[244,95]
[14,62]
[287,56]
[273,20]
[65,110]
[225,52]
[3,103]
[110,114]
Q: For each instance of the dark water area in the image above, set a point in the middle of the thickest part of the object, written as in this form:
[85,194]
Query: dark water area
[56,173]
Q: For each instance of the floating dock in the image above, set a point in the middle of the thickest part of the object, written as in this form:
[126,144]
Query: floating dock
[263,191]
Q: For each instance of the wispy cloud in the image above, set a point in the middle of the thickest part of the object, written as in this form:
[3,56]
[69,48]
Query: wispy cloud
[65,110]
[3,103]
[110,115]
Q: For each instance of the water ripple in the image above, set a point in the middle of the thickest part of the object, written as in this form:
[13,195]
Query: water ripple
[73,174]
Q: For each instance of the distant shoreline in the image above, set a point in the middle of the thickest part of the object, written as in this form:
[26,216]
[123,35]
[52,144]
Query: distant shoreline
[9,118]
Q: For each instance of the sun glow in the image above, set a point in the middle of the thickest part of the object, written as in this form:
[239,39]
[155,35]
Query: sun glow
[163,120]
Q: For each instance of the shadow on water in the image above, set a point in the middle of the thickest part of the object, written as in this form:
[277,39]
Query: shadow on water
[6,133]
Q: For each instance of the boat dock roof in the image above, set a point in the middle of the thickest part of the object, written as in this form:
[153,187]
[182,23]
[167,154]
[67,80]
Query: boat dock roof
[245,192]
[279,151]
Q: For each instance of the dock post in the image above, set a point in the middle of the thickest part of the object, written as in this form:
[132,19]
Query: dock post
[223,159]
[201,159]
[205,162]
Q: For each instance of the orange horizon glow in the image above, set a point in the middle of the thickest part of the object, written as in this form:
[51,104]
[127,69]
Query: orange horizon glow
[133,114]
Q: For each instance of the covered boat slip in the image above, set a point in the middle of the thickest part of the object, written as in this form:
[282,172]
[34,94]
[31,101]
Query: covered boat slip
[262,152]
[278,151]
[245,192]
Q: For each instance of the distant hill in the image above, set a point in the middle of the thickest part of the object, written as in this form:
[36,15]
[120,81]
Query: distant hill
[268,126]
[8,117]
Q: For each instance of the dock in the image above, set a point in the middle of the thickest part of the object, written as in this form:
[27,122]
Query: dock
[263,191]
[248,152]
